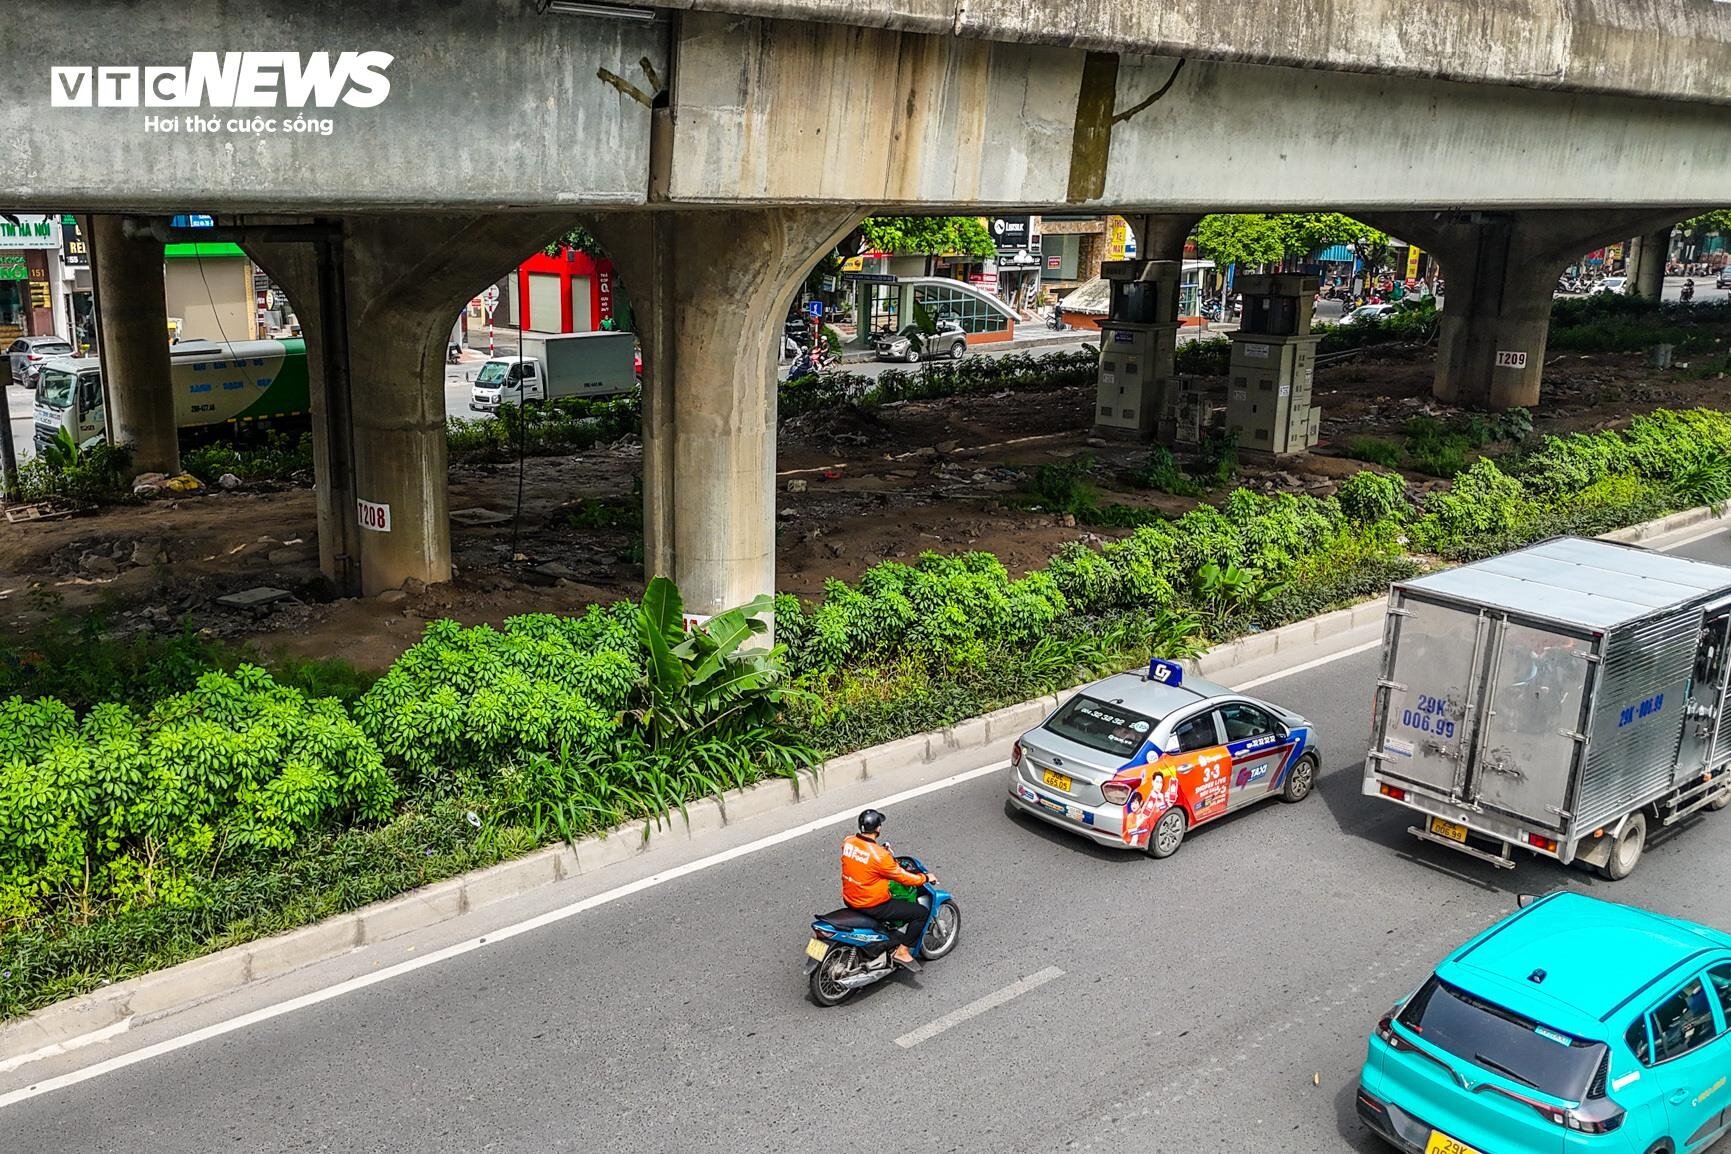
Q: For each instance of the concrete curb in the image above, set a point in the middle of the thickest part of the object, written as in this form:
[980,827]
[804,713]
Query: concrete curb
[68,1023]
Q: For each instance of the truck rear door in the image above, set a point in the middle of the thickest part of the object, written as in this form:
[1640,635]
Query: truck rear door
[1532,722]
[1430,676]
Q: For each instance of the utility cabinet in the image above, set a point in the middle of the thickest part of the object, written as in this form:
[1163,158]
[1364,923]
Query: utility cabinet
[1138,344]
[1268,400]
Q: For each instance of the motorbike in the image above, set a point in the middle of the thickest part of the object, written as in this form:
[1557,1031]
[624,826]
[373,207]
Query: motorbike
[1055,322]
[809,362]
[1688,293]
[1211,309]
[453,353]
[849,950]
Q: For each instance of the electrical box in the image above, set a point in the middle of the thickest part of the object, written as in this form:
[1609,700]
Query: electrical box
[1268,399]
[1138,344]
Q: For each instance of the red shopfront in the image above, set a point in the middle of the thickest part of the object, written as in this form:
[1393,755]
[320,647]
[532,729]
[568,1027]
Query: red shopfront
[572,292]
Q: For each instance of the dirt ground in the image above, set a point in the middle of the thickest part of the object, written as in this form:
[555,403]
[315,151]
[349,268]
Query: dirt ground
[853,489]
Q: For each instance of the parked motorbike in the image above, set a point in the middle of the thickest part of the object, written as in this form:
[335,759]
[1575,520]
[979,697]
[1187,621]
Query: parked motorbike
[849,950]
[1688,293]
[1056,322]
[1211,310]
[453,353]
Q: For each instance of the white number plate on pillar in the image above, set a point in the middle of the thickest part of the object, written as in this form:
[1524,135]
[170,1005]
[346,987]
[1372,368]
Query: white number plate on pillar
[1511,360]
[374,516]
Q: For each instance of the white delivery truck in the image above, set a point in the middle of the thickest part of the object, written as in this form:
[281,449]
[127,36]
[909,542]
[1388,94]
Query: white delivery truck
[1566,699]
[554,365]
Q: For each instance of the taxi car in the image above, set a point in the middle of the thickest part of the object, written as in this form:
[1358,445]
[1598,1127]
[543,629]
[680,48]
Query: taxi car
[1138,760]
[1571,1025]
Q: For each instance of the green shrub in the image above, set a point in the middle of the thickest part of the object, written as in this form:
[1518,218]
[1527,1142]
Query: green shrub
[98,475]
[1374,450]
[464,702]
[283,458]
[1204,357]
[123,810]
[1367,498]
[1483,502]
[1161,473]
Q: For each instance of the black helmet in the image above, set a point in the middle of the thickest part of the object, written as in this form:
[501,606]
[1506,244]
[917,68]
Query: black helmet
[870,821]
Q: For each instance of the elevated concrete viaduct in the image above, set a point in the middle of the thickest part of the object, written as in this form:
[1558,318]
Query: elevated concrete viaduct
[718,147]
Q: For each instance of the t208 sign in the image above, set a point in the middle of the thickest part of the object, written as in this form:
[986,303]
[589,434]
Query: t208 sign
[373,515]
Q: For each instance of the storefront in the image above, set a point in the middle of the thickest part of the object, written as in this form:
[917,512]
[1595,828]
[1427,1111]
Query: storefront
[885,303]
[29,275]
[570,292]
[210,290]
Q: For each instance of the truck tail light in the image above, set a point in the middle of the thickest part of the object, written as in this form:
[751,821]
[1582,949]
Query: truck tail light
[1115,792]
[1392,791]
[1539,841]
[1016,756]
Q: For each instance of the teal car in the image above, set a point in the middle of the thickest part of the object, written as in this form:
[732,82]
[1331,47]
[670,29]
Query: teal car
[1571,1025]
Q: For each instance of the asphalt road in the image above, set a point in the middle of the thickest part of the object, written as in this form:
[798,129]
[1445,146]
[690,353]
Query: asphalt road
[1216,1001]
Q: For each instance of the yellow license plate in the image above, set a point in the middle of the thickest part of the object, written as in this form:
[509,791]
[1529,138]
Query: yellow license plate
[1453,832]
[816,949]
[1441,1143]
[1056,780]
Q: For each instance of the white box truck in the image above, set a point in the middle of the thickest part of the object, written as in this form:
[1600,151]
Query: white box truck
[1566,699]
[554,365]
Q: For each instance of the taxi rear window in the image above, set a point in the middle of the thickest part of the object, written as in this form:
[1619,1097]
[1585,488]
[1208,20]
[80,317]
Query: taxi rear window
[1097,725]
[1498,1039]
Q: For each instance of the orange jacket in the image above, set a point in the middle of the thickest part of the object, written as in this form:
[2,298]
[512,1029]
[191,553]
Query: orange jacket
[867,869]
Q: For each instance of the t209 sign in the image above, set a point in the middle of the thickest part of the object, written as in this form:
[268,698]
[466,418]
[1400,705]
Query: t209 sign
[1508,359]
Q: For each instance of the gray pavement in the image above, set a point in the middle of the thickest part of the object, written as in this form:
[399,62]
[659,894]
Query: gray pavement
[1216,1001]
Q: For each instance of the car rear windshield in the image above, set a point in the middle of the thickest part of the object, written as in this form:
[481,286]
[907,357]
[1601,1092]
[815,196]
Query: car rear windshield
[1097,725]
[1499,1040]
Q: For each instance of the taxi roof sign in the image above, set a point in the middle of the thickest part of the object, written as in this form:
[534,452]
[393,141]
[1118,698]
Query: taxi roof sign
[1165,672]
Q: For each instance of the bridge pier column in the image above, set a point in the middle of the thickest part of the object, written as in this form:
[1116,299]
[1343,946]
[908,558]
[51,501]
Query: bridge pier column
[1500,271]
[1647,263]
[311,274]
[133,315]
[709,316]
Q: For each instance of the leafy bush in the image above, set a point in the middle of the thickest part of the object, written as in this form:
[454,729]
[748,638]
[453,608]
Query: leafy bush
[118,809]
[1367,498]
[97,475]
[1161,473]
[1374,450]
[281,459]
[464,702]
[1204,357]
[1483,502]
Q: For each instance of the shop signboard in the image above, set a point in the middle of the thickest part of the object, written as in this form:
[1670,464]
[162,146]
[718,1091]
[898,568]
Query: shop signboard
[12,267]
[1412,255]
[74,251]
[20,230]
[1011,232]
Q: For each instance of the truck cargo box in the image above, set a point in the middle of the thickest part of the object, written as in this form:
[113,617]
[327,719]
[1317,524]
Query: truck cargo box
[584,364]
[1541,697]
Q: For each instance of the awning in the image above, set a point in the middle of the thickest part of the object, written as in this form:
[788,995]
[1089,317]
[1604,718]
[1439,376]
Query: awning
[1339,253]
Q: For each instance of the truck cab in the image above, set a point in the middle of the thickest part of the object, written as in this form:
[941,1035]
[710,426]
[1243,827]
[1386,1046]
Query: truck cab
[69,397]
[508,381]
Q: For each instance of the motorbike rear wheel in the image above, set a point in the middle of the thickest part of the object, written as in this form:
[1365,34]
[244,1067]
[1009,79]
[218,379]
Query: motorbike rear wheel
[838,963]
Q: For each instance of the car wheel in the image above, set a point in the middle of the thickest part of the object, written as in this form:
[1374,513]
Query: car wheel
[913,357]
[1301,781]
[1168,833]
[1626,853]
[958,350]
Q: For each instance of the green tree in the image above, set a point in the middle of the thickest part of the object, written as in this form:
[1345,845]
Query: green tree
[929,235]
[1267,238]
[576,237]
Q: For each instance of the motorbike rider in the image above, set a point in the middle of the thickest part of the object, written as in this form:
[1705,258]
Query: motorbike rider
[867,869]
[1688,293]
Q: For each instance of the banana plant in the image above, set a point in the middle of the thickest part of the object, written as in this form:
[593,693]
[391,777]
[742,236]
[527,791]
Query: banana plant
[703,683]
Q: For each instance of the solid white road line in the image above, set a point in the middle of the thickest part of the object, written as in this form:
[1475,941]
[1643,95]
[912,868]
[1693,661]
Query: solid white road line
[82,1040]
[979,1006]
[1308,665]
[241,1022]
[1691,539]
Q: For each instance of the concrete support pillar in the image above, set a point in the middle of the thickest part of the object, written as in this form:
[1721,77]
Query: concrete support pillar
[135,365]
[1647,263]
[1501,272]
[403,280]
[1161,235]
[311,274]
[1491,345]
[709,316]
